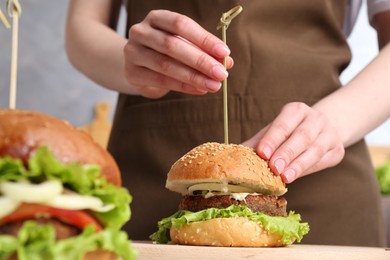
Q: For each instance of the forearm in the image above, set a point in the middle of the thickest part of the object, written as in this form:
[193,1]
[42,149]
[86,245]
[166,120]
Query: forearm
[94,48]
[363,104]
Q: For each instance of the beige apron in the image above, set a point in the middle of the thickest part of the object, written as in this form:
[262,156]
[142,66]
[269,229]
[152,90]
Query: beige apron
[284,51]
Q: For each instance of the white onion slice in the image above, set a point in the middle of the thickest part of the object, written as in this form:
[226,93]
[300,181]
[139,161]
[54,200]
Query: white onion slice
[7,206]
[79,202]
[33,193]
[219,187]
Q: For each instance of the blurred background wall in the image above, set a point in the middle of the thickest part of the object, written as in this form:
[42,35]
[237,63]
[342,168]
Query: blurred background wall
[364,48]
[48,83]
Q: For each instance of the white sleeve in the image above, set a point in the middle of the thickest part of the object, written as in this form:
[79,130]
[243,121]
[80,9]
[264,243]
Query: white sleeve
[376,6]
[351,15]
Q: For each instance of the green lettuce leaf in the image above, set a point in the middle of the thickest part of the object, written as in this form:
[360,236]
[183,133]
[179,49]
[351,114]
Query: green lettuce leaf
[383,177]
[8,245]
[83,179]
[289,228]
[35,242]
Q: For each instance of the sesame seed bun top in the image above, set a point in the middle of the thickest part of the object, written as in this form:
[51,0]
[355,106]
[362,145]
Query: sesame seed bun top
[224,163]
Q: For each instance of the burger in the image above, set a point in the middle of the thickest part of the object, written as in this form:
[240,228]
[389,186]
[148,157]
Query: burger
[230,198]
[60,192]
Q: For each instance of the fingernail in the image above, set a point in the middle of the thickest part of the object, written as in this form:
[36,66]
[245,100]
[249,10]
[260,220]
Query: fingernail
[289,175]
[221,50]
[213,85]
[279,165]
[219,72]
[267,152]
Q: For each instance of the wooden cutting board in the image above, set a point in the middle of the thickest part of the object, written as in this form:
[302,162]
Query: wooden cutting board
[99,128]
[150,251]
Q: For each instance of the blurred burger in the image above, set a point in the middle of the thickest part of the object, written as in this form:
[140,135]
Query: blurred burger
[60,192]
[230,197]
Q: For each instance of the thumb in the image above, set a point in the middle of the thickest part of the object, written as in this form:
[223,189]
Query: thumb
[253,142]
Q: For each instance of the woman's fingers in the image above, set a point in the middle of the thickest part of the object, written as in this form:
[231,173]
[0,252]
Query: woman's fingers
[253,142]
[165,65]
[155,85]
[175,49]
[188,29]
[279,130]
[326,151]
[298,142]
[178,49]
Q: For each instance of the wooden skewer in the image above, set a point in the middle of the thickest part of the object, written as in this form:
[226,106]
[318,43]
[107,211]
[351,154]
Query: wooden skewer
[224,24]
[4,20]
[14,11]
[14,60]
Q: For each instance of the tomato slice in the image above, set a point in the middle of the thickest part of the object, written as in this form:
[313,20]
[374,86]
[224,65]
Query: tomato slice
[77,218]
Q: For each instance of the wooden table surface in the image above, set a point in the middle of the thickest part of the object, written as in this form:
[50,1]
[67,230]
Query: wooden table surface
[150,251]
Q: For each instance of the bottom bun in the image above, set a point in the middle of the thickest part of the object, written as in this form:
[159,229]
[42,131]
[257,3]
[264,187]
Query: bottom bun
[228,232]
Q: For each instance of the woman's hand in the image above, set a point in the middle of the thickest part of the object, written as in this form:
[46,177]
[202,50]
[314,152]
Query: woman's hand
[168,51]
[300,141]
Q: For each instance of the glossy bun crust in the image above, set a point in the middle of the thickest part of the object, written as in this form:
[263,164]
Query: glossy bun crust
[22,132]
[226,163]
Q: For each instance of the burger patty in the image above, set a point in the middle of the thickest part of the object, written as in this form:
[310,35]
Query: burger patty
[62,229]
[270,205]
